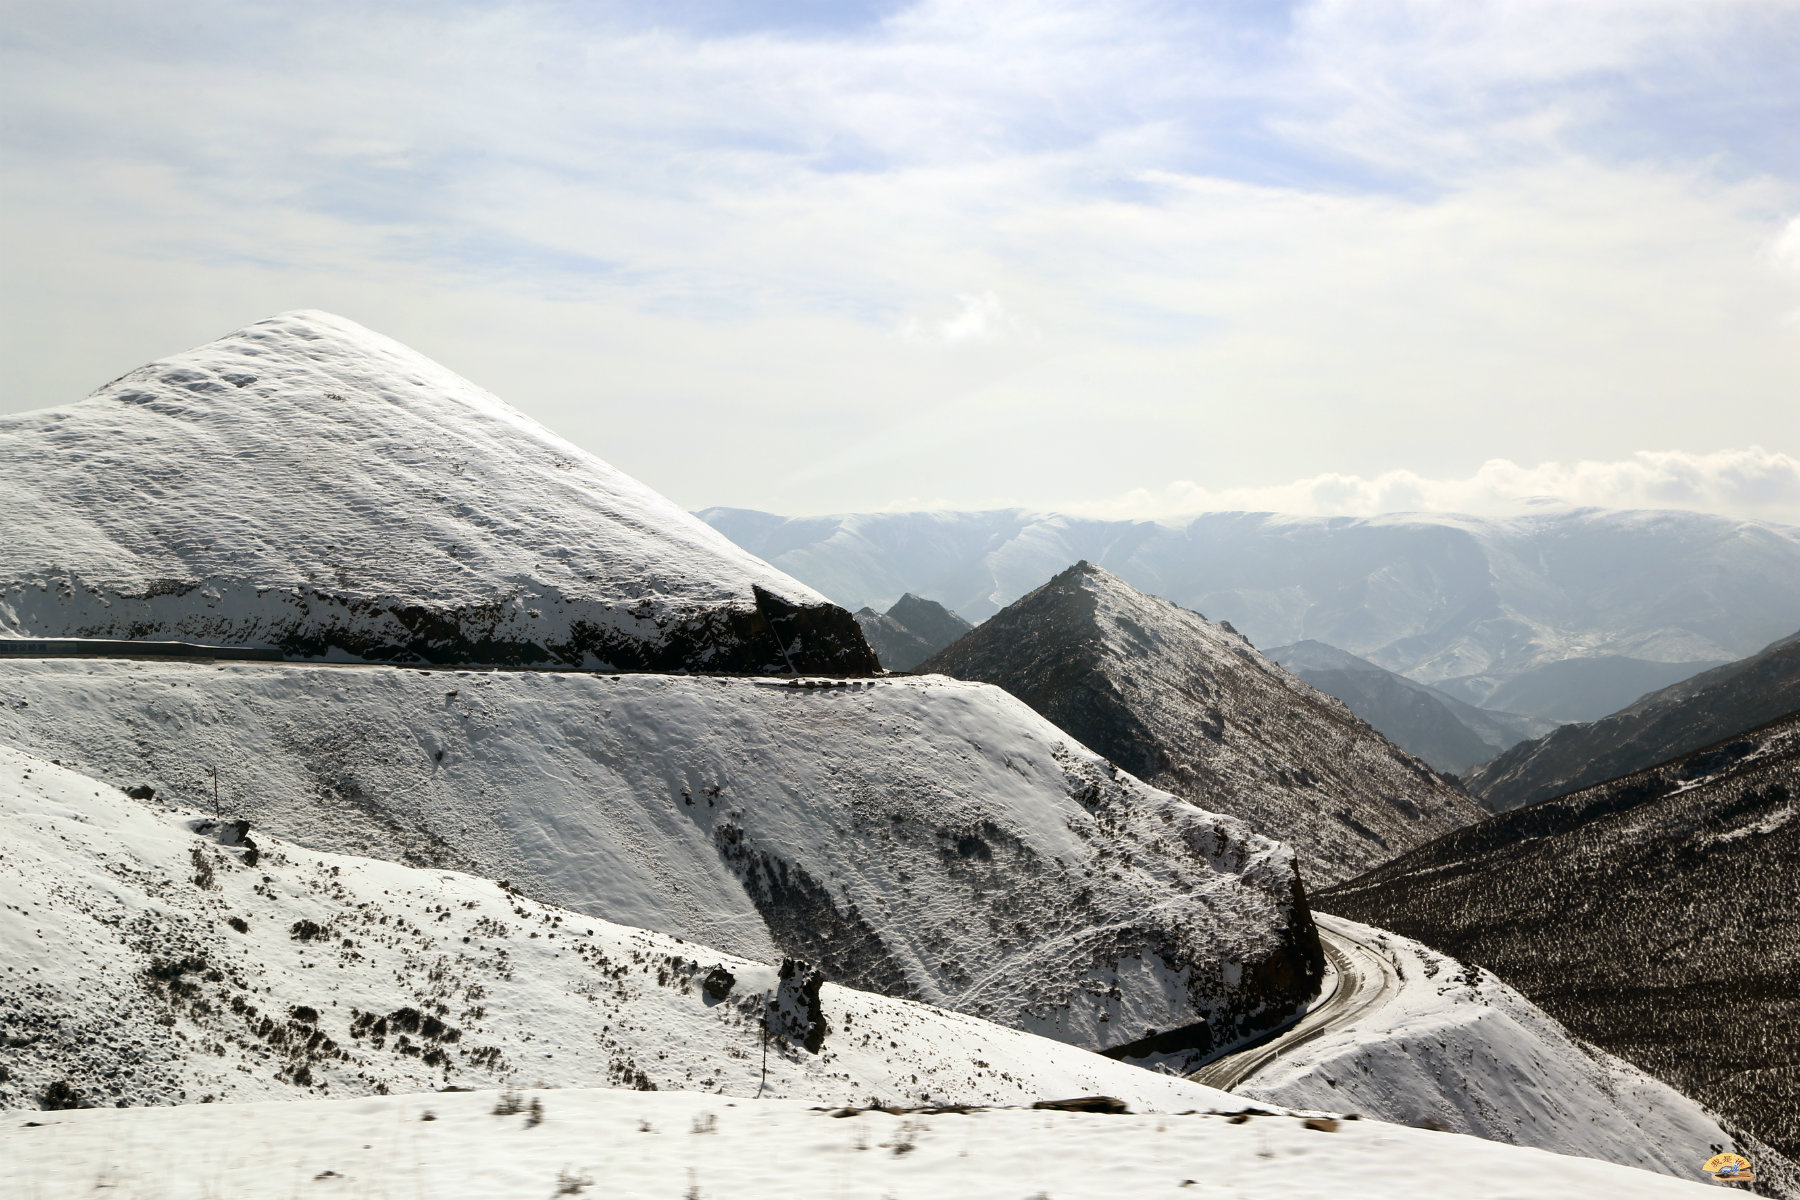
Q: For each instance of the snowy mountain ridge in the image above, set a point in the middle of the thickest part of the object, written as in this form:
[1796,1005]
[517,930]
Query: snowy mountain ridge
[917,837]
[308,484]
[1191,707]
[154,957]
[164,957]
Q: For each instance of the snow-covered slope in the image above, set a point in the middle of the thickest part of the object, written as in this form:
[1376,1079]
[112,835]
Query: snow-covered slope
[1447,733]
[1453,1048]
[919,837]
[307,484]
[1191,707]
[152,957]
[1467,603]
[664,1146]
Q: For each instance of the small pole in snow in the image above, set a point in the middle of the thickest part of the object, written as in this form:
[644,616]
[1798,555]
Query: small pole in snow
[767,997]
[215,779]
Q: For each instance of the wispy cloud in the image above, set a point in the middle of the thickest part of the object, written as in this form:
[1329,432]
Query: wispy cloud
[977,318]
[1119,239]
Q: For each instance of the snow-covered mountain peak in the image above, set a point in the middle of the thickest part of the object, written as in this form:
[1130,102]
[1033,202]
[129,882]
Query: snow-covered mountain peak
[1086,574]
[911,631]
[310,484]
[1130,622]
[1191,707]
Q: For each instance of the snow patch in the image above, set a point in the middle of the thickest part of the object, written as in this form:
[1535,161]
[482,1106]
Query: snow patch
[615,1143]
[148,963]
[919,837]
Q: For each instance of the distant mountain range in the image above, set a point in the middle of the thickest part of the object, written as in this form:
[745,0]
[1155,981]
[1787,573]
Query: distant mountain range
[1659,727]
[1446,732]
[309,485]
[1656,915]
[1193,708]
[911,631]
[1484,609]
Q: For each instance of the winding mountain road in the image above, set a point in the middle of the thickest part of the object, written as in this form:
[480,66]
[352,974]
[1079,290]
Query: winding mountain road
[13,649]
[1359,978]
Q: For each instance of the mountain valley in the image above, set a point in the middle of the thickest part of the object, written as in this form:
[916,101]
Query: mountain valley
[1663,725]
[1445,732]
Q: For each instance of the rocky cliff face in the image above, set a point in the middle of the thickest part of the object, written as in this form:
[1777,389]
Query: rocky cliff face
[309,485]
[1191,706]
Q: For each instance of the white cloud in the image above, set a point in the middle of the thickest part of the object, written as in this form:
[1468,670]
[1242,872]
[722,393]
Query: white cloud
[1786,246]
[1118,240]
[978,318]
[1752,482]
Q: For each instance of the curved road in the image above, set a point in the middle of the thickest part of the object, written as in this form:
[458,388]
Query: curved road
[15,649]
[1359,978]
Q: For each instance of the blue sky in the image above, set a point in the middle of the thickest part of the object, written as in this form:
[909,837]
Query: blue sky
[1117,257]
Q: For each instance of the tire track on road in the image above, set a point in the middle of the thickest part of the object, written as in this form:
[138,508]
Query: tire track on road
[1366,979]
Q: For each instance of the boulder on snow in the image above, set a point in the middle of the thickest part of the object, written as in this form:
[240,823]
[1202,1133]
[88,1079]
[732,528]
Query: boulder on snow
[717,985]
[794,1010]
